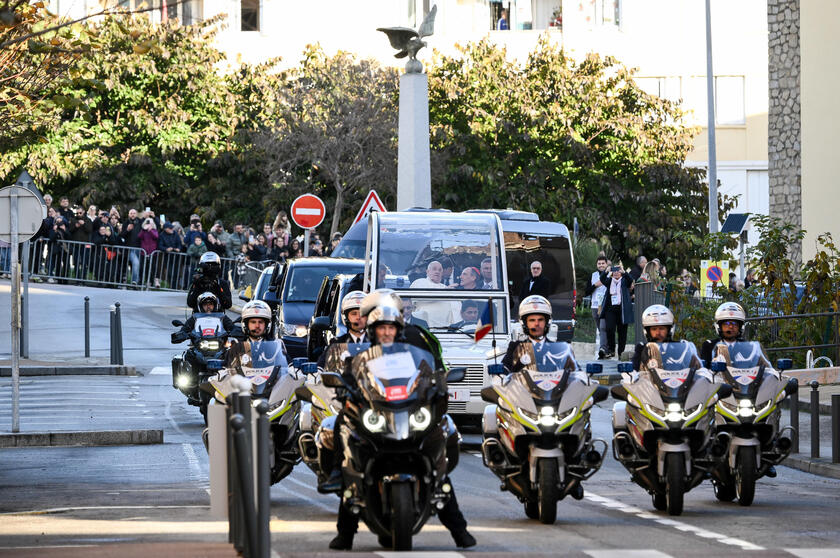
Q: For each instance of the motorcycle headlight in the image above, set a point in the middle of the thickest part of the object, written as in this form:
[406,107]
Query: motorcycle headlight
[420,419]
[183,381]
[209,345]
[373,421]
[674,412]
[745,408]
[301,331]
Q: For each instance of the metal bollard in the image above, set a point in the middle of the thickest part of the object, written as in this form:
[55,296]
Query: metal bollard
[263,482]
[835,428]
[87,327]
[112,329]
[794,421]
[815,418]
[246,481]
[119,335]
[235,531]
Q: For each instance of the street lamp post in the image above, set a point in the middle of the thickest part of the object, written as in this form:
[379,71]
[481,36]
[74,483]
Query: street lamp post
[710,94]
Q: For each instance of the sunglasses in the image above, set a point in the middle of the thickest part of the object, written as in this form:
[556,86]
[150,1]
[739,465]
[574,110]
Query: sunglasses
[730,322]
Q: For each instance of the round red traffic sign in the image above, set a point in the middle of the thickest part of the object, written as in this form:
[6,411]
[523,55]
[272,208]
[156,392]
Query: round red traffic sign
[308,211]
[714,274]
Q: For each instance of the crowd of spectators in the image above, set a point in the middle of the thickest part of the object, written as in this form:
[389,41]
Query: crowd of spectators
[75,244]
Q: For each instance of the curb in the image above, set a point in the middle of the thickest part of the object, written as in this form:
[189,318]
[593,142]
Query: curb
[821,466]
[84,438]
[61,370]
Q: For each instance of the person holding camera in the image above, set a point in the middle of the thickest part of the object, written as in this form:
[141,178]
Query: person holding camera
[80,231]
[617,309]
[57,252]
[194,231]
[208,278]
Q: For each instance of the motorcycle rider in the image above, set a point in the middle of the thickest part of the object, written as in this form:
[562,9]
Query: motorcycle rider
[208,277]
[207,304]
[535,315]
[729,325]
[353,320]
[658,322]
[385,325]
[257,326]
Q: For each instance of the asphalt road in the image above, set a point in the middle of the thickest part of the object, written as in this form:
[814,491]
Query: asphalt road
[77,495]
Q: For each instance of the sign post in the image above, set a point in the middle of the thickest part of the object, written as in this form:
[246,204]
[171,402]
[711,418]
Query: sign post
[25,213]
[308,211]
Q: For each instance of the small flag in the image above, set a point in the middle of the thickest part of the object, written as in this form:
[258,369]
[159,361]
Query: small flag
[485,322]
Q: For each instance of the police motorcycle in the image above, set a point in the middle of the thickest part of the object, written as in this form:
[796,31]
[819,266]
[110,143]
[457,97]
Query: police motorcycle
[398,444]
[750,416]
[663,424]
[264,364]
[320,405]
[208,338]
[537,433]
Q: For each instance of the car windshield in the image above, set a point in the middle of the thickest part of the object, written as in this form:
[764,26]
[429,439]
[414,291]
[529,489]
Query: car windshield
[439,251]
[454,314]
[305,281]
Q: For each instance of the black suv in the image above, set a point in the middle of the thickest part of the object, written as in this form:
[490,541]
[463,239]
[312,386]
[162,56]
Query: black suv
[293,293]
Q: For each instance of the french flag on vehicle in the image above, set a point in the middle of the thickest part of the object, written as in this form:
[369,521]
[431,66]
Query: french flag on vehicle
[485,322]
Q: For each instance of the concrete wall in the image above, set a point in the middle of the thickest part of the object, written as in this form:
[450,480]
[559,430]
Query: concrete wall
[820,113]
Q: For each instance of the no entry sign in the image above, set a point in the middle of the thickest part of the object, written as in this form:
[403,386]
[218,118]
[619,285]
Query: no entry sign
[308,211]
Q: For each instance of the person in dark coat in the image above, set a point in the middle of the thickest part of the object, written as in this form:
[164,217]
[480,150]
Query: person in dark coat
[131,238]
[170,243]
[617,310]
[536,284]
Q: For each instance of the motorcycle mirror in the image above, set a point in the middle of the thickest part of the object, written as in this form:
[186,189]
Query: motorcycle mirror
[717,366]
[309,367]
[792,386]
[784,364]
[215,364]
[321,323]
[619,392]
[177,323]
[489,394]
[303,393]
[625,367]
[594,368]
[238,320]
[298,362]
[243,296]
[600,394]
[456,374]
[496,370]
[331,379]
[724,391]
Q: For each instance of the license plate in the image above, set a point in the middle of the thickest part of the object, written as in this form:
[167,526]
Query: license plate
[460,394]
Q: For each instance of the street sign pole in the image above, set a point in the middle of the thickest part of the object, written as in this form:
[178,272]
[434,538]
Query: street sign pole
[24,306]
[14,247]
[306,243]
[710,101]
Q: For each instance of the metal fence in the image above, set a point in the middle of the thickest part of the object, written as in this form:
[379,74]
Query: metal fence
[817,332]
[85,263]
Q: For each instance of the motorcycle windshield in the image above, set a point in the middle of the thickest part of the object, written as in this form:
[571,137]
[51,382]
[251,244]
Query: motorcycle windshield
[745,360]
[209,325]
[674,365]
[337,354]
[544,369]
[394,374]
[262,362]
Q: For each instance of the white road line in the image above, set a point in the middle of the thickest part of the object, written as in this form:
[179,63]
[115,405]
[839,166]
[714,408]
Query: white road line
[320,504]
[171,420]
[443,554]
[624,553]
[678,525]
[192,459]
[814,552]
[161,371]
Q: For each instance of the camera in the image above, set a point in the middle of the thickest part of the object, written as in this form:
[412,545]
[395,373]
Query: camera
[615,268]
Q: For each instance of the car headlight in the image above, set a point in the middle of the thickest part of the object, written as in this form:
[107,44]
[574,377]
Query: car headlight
[289,329]
[419,419]
[209,345]
[301,331]
[373,421]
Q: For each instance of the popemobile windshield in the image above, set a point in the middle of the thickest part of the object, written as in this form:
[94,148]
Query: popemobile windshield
[448,268]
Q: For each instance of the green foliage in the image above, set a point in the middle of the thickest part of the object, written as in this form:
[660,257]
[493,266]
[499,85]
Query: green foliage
[567,139]
[585,253]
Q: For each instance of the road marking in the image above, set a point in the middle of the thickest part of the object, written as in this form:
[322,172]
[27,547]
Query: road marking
[87,508]
[814,552]
[161,371]
[322,505]
[171,420]
[678,525]
[192,459]
[442,554]
[621,553]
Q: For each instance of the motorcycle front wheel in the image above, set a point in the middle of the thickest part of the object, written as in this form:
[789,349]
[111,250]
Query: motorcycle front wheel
[745,474]
[547,490]
[402,516]
[674,482]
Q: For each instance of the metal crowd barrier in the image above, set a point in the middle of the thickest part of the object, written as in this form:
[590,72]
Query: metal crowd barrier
[248,273]
[114,265]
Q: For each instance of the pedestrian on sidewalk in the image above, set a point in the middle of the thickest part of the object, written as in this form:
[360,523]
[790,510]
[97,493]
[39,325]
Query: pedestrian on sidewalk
[597,290]
[617,309]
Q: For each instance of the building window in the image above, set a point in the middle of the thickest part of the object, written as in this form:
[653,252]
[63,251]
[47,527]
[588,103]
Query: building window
[729,100]
[663,87]
[606,12]
[249,15]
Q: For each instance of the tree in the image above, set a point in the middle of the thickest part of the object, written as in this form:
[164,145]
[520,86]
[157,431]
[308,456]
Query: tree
[567,140]
[336,136]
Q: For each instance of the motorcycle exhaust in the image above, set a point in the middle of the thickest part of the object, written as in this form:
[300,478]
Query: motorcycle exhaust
[592,458]
[623,444]
[493,453]
[784,444]
[720,446]
[308,449]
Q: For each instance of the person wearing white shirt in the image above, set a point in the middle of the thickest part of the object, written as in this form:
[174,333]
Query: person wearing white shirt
[598,292]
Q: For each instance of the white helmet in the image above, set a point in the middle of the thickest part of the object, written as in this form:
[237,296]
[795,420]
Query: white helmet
[386,313]
[352,301]
[204,297]
[730,311]
[210,257]
[256,309]
[657,315]
[378,298]
[534,304]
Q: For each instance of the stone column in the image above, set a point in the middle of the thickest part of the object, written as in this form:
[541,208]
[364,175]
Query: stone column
[784,128]
[414,183]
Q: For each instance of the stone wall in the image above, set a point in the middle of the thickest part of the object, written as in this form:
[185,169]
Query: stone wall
[784,133]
